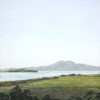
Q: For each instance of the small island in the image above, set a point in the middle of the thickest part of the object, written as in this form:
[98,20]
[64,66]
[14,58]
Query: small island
[20,70]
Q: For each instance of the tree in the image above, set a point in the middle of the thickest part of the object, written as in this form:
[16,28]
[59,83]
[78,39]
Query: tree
[27,95]
[46,97]
[16,93]
[4,97]
[97,96]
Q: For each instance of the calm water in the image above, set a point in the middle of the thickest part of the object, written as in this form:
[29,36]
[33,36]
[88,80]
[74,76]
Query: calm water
[26,75]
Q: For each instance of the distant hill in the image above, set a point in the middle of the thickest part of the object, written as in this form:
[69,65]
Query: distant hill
[66,66]
[58,66]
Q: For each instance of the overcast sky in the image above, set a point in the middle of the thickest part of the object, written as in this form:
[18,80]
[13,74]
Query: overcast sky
[41,32]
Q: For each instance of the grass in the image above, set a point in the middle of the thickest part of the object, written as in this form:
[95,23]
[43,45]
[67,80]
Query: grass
[62,86]
[90,82]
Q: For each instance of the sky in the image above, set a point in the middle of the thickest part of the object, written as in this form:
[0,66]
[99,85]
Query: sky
[41,32]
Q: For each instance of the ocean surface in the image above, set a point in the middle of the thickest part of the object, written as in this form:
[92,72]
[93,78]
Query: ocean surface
[12,76]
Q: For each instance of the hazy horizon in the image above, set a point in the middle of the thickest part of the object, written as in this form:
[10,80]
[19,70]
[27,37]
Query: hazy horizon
[41,32]
[46,64]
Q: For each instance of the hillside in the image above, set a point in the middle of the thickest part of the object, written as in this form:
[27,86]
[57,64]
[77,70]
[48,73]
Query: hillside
[58,66]
[66,66]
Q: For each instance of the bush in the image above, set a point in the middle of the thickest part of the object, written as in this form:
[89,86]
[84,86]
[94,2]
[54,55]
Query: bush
[4,96]
[17,94]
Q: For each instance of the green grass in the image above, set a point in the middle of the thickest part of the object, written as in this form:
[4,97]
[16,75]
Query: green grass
[90,82]
[62,86]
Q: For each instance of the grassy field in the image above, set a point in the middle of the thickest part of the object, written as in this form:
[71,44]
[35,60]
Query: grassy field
[62,86]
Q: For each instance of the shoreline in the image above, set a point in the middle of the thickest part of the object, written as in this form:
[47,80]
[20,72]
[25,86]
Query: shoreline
[18,82]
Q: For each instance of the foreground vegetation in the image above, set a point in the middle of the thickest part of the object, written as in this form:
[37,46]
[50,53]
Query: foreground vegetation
[57,88]
[18,94]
